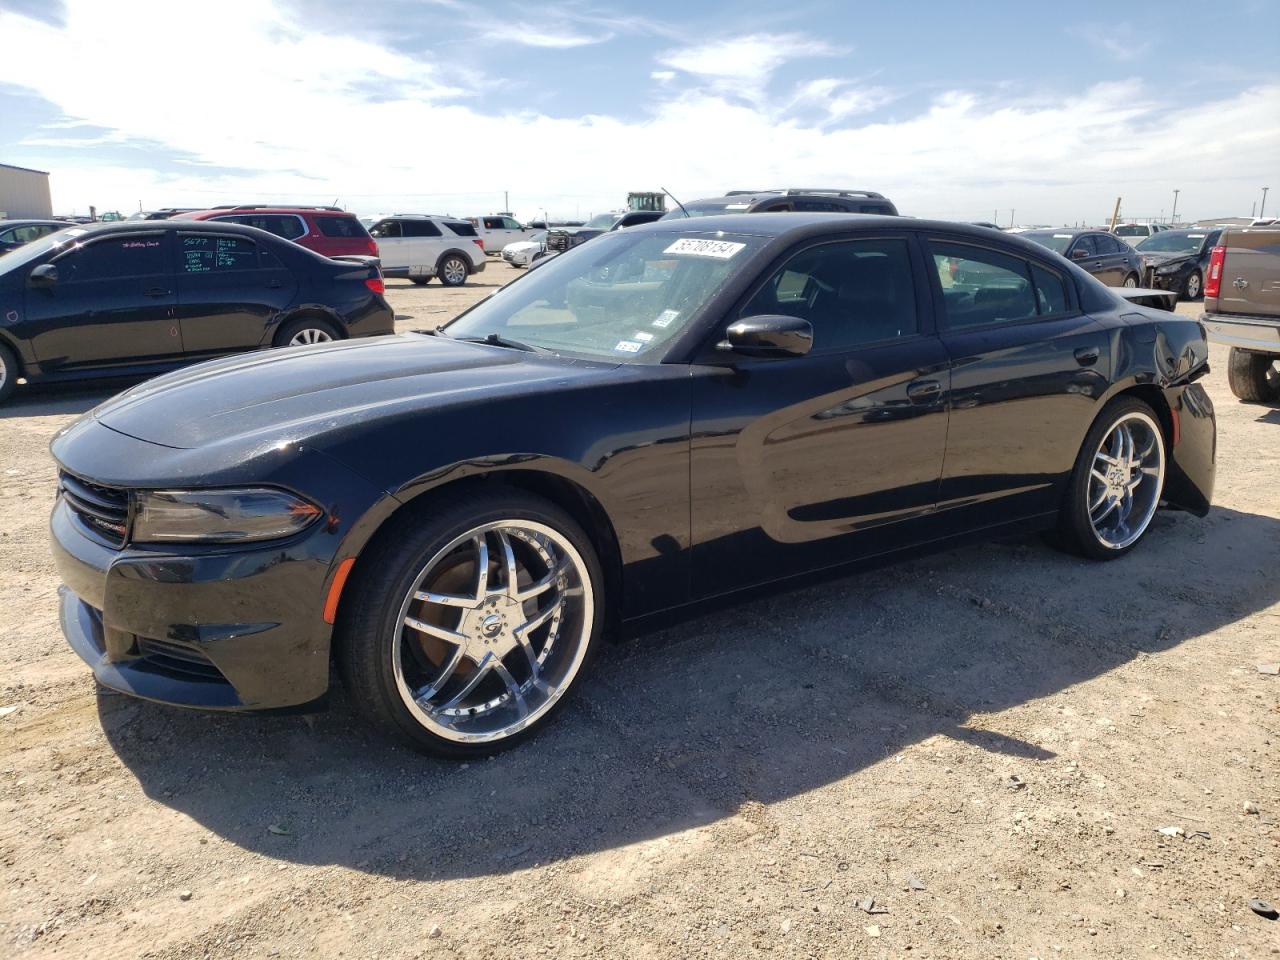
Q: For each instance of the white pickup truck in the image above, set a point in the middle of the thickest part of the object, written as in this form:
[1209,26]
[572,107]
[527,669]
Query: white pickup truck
[1242,309]
[499,229]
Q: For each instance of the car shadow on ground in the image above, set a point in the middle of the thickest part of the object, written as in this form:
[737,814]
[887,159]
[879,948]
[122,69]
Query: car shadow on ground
[683,728]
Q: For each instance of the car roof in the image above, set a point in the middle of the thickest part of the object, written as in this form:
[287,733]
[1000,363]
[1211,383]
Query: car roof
[153,226]
[32,221]
[251,211]
[1049,231]
[784,223]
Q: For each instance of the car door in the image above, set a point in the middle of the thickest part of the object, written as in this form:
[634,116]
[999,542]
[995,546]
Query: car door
[1084,254]
[1026,367]
[805,462]
[1118,260]
[393,248]
[229,289]
[424,242]
[112,304]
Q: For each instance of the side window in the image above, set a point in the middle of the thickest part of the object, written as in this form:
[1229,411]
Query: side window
[1051,292]
[348,227]
[825,206]
[27,234]
[511,224]
[420,228]
[461,229]
[853,292]
[114,259]
[385,229]
[289,227]
[1085,246]
[493,223]
[778,207]
[1108,244]
[9,236]
[981,286]
[212,254]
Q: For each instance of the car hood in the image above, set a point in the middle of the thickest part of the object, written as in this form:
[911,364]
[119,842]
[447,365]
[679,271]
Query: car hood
[299,394]
[1154,258]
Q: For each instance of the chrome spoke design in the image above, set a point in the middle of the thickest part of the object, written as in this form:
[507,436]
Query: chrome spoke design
[523,631]
[1125,480]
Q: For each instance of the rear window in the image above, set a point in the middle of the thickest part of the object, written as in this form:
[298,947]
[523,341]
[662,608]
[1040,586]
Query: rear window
[419,228]
[214,254]
[461,229]
[348,227]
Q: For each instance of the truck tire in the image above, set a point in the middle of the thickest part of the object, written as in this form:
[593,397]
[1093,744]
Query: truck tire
[1254,377]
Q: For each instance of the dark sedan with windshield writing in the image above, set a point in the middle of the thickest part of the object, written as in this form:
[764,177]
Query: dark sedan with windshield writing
[661,418]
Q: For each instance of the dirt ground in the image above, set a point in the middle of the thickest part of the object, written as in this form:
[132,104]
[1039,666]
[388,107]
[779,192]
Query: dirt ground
[980,747]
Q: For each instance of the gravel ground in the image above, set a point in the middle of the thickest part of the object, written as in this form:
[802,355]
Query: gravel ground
[969,755]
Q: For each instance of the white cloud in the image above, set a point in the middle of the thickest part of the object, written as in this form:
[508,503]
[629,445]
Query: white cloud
[531,35]
[744,65]
[1119,41]
[663,76]
[313,116]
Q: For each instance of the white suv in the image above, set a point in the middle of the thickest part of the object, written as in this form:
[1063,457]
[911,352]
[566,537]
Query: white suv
[420,246]
[499,229]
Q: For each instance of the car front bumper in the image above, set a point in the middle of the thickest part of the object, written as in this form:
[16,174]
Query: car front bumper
[215,629]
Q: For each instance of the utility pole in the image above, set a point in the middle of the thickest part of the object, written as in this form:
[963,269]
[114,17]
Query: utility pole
[1115,215]
[1173,217]
[1011,213]
[506,202]
[1262,211]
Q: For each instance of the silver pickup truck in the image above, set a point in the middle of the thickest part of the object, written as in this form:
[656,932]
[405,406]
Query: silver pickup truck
[1242,309]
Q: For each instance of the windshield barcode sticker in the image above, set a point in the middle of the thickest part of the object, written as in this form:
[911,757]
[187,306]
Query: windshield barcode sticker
[628,346]
[643,336]
[719,249]
[666,318]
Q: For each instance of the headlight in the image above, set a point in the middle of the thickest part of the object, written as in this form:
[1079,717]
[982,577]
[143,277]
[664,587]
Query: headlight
[219,516]
[1170,268]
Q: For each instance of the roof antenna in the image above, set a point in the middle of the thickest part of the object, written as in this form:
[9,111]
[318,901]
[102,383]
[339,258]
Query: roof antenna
[678,203]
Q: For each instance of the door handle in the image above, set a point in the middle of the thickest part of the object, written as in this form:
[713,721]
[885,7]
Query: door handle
[158,292]
[1087,356]
[923,389]
[274,284]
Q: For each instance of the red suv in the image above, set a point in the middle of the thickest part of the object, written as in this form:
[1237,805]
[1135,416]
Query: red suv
[329,231]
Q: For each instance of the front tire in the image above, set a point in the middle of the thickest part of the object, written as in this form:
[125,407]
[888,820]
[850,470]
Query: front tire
[1131,280]
[453,271]
[1254,377]
[1193,287]
[1116,483]
[465,631]
[9,372]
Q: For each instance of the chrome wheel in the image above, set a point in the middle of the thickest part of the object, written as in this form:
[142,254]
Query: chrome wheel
[309,335]
[1131,281]
[454,272]
[1193,286]
[493,631]
[1125,480]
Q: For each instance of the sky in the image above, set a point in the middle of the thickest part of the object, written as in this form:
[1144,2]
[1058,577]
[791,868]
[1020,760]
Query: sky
[1007,110]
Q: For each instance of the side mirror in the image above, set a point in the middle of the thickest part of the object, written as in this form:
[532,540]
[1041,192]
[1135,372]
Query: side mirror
[768,336]
[45,275]
[1079,253]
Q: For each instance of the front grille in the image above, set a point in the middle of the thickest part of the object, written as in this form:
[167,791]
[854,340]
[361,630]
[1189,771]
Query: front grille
[104,510]
[559,242]
[178,658]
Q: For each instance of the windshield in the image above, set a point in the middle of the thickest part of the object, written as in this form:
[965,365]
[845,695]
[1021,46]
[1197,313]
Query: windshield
[38,248]
[623,297]
[1057,242]
[603,221]
[706,209]
[1173,242]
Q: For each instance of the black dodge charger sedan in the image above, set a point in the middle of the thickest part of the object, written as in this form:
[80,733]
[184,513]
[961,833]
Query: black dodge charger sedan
[140,297]
[665,416]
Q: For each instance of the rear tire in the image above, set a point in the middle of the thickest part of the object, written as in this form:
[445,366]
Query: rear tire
[419,281]
[419,623]
[305,331]
[1116,483]
[1254,377]
[9,372]
[453,271]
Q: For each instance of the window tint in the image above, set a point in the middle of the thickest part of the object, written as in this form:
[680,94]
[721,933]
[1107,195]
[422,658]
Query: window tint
[419,228]
[1108,244]
[881,208]
[341,227]
[114,258]
[1051,292]
[385,228]
[854,292]
[820,205]
[210,254]
[461,229]
[493,223]
[510,224]
[28,233]
[1085,245]
[282,225]
[981,286]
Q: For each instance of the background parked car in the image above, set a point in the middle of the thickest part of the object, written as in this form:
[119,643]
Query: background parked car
[499,229]
[136,298]
[524,252]
[1177,260]
[422,246]
[161,213]
[1242,309]
[17,233]
[329,231]
[814,199]
[558,241]
[1113,262]
[1133,233]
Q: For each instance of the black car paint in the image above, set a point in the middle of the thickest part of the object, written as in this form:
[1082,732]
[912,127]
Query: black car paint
[697,476]
[1184,264]
[148,324]
[1109,268]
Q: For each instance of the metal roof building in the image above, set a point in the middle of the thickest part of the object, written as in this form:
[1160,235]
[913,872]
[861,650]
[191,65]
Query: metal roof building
[24,193]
